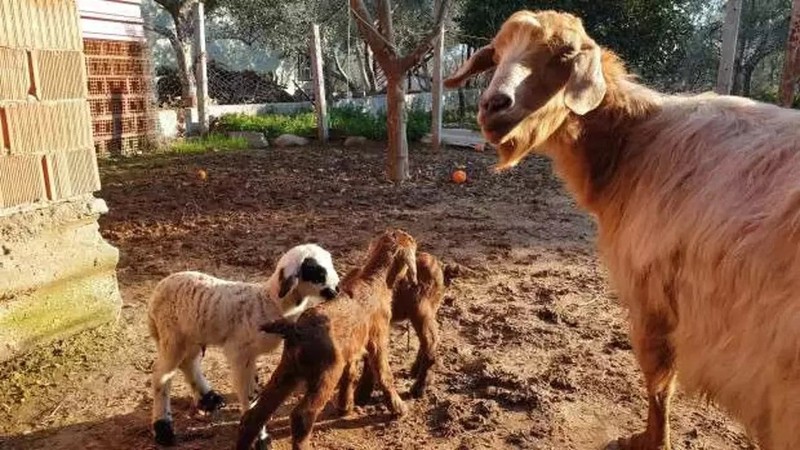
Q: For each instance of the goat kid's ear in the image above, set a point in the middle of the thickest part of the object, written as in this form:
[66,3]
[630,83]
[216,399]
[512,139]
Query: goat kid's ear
[286,284]
[479,62]
[410,257]
[586,86]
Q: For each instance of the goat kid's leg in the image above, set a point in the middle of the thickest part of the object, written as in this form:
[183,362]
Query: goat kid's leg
[655,353]
[164,369]
[243,370]
[379,363]
[366,384]
[207,399]
[305,413]
[428,333]
[347,385]
[252,426]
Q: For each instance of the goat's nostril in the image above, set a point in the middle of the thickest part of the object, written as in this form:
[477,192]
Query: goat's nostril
[497,102]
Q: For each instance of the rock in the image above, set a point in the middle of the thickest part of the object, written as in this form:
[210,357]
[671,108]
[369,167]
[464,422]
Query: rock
[254,139]
[355,141]
[289,140]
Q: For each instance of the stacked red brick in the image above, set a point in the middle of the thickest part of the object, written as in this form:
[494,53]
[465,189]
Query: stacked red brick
[119,95]
[46,149]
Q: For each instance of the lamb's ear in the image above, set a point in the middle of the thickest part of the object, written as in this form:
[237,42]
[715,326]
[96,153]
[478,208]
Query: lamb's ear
[479,62]
[586,86]
[286,283]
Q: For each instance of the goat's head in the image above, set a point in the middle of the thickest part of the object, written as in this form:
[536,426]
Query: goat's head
[309,270]
[545,68]
[401,249]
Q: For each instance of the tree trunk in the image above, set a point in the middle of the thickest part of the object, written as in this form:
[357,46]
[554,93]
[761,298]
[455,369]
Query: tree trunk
[791,65]
[397,163]
[730,32]
[369,67]
[362,70]
[184,32]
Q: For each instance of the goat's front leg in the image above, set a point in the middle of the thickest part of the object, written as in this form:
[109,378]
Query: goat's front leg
[379,363]
[366,384]
[347,385]
[655,353]
[252,426]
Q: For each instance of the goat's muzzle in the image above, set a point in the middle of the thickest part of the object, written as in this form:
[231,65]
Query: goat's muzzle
[329,293]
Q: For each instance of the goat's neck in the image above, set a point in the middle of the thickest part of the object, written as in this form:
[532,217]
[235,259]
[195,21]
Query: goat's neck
[588,150]
[381,268]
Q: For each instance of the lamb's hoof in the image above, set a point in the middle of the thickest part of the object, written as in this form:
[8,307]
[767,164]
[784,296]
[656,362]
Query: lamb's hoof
[264,443]
[164,434]
[210,402]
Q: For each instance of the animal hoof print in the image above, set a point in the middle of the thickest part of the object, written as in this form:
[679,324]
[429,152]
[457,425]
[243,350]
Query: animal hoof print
[210,402]
[164,434]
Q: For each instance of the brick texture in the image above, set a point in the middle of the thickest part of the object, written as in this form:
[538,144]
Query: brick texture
[48,126]
[21,180]
[59,74]
[40,24]
[14,78]
[72,173]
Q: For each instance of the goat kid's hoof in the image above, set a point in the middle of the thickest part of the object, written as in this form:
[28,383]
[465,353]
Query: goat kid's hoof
[635,442]
[399,408]
[210,402]
[417,390]
[164,433]
[263,444]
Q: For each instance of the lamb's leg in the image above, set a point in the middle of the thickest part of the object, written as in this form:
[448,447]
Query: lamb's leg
[243,370]
[379,363]
[428,333]
[305,413]
[347,386]
[252,425]
[654,351]
[207,399]
[164,368]
[366,384]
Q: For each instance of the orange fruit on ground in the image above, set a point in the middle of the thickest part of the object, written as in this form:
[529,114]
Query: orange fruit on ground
[459,176]
[202,174]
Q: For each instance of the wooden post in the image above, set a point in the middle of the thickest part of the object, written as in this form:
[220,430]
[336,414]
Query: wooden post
[791,65]
[730,33]
[201,68]
[437,88]
[319,84]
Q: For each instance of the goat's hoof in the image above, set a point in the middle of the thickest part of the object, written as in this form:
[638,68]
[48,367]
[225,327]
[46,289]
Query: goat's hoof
[363,398]
[417,390]
[164,434]
[399,408]
[210,402]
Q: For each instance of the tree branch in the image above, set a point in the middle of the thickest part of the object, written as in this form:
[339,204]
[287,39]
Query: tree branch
[426,44]
[385,24]
[165,32]
[381,48]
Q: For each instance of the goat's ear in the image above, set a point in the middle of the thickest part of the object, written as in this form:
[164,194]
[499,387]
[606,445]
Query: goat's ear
[586,86]
[410,259]
[479,62]
[286,283]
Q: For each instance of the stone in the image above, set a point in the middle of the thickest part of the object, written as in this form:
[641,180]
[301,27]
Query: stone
[255,139]
[290,140]
[355,141]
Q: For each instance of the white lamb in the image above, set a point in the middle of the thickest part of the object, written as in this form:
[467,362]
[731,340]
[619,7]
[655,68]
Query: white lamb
[189,311]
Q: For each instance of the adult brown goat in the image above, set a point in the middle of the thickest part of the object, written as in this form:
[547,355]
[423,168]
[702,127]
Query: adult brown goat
[698,205]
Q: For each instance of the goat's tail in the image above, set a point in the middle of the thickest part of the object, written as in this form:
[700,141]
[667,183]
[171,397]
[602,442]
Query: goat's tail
[282,327]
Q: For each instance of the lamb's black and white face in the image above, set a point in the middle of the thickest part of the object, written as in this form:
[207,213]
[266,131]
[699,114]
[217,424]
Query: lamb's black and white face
[309,270]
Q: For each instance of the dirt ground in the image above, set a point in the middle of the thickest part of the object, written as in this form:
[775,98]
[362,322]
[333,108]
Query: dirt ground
[534,354]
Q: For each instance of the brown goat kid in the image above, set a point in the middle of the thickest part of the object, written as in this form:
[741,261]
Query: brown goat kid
[417,302]
[697,201]
[323,349]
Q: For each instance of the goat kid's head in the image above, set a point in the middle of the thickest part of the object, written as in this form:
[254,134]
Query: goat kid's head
[401,247]
[309,270]
[545,68]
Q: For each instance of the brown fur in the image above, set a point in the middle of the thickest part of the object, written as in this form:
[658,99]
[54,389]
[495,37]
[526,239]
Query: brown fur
[323,348]
[417,302]
[696,200]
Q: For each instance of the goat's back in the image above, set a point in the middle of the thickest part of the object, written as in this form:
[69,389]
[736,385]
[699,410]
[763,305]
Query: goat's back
[702,231]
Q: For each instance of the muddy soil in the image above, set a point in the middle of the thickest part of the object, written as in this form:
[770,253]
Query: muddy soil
[534,349]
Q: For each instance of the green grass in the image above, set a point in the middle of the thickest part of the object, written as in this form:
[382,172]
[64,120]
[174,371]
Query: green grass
[212,141]
[344,121]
